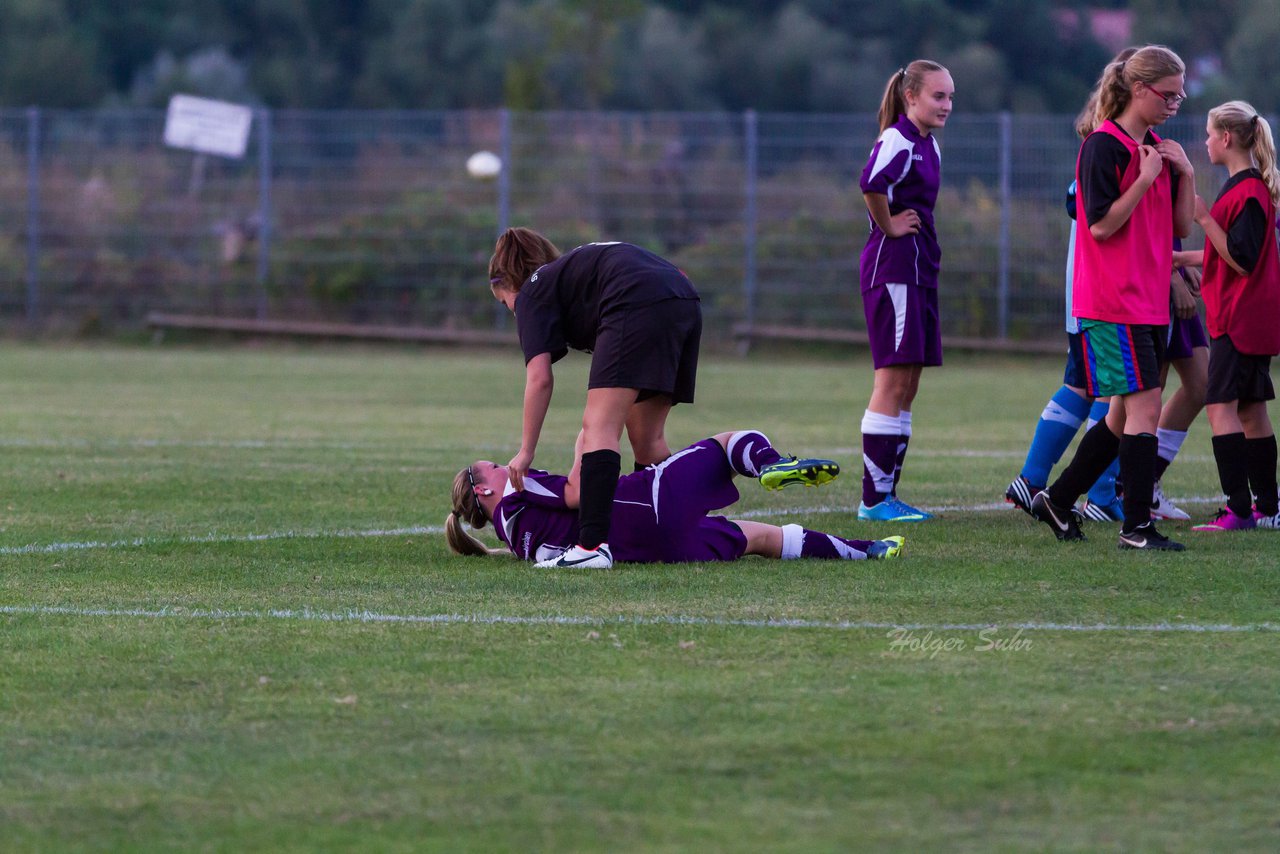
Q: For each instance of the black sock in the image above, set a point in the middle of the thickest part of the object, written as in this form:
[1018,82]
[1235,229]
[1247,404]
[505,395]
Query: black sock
[1162,465]
[1138,455]
[1261,456]
[600,470]
[1097,449]
[1229,452]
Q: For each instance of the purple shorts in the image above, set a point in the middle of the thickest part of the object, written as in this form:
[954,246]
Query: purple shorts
[902,324]
[660,514]
[1185,336]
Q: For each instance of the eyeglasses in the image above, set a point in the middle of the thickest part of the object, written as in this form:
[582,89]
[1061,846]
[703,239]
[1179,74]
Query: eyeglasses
[1171,99]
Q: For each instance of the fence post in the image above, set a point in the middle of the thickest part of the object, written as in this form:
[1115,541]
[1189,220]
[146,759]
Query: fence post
[751,143]
[500,313]
[264,213]
[1006,213]
[504,173]
[33,217]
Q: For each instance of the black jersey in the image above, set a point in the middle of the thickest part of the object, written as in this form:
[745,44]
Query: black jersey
[561,304]
[1250,228]
[1103,161]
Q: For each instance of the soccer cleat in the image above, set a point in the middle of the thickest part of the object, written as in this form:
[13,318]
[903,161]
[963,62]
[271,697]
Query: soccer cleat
[579,558]
[1225,520]
[1113,512]
[891,510]
[1020,493]
[924,513]
[1269,522]
[1064,523]
[1147,538]
[886,549]
[790,471]
[1163,508]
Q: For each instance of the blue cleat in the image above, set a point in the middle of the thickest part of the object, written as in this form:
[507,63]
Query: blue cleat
[891,510]
[886,549]
[1113,512]
[790,471]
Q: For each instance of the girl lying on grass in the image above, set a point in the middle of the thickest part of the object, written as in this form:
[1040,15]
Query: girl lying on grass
[660,513]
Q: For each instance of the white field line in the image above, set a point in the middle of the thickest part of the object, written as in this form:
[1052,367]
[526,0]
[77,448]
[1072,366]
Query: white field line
[348,534]
[138,542]
[309,615]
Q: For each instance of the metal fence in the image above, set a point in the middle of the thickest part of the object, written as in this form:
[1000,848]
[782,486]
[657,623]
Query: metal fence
[372,218]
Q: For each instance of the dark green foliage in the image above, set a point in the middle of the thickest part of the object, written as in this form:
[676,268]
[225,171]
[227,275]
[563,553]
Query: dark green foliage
[802,55]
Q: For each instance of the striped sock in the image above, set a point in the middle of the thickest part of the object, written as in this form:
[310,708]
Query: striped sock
[750,451]
[1058,424]
[798,542]
[881,435]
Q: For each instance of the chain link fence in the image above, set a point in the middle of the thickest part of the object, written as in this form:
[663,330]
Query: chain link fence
[371,217]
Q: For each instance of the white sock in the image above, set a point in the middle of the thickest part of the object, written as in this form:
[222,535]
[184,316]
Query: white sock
[1170,442]
[875,424]
[792,541]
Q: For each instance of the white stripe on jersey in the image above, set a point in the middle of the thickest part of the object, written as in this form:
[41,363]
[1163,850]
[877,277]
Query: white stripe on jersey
[661,467]
[536,488]
[892,143]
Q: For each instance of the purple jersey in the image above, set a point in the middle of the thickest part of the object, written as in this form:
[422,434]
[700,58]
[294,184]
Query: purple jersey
[659,514]
[907,168]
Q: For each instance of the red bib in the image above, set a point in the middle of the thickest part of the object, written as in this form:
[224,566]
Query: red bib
[1125,278]
[1247,307]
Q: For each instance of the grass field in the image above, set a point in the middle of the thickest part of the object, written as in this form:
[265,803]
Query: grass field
[228,621]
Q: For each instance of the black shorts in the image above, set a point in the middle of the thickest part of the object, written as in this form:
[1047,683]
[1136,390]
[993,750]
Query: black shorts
[1237,376]
[653,348]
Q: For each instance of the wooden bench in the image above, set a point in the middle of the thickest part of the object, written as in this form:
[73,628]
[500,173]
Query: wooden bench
[161,321]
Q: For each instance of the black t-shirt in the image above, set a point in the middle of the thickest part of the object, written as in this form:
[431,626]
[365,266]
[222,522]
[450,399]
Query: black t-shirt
[562,303]
[1103,161]
[1250,228]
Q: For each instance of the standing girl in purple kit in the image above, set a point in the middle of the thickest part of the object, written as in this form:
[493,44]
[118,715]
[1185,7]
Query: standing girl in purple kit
[899,274]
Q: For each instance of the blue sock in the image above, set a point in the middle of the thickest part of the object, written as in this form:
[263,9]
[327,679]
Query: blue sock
[1062,417]
[1103,490]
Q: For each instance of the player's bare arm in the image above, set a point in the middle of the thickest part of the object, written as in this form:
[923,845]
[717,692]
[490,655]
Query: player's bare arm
[896,225]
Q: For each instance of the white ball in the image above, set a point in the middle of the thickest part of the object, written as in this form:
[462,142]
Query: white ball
[484,164]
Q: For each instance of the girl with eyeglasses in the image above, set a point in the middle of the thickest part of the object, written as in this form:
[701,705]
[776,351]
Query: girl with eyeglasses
[1135,194]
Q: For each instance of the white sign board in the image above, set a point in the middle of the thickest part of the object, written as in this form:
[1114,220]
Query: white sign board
[210,127]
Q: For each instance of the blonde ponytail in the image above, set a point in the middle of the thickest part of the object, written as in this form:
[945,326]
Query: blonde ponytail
[1264,154]
[466,507]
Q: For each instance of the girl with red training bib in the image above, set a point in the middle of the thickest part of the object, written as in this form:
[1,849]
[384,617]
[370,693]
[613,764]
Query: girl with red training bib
[1241,288]
[1135,194]
[899,275]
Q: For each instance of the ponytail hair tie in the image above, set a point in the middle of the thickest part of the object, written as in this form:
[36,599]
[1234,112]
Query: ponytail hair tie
[1254,121]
